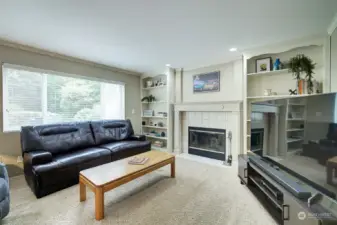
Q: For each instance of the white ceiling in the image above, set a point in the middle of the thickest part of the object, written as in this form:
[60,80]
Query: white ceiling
[144,35]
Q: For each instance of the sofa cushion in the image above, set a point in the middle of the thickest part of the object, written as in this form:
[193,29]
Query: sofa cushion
[4,189]
[107,131]
[57,138]
[70,164]
[124,149]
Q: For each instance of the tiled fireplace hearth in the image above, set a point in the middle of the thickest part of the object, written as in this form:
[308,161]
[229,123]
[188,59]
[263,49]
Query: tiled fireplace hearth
[219,116]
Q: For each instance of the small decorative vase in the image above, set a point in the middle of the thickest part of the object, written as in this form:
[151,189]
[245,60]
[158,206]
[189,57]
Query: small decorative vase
[277,64]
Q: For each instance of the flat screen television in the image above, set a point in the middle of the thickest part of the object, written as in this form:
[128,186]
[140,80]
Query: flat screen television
[299,134]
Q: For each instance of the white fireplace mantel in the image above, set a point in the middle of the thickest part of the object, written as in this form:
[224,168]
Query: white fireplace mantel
[226,107]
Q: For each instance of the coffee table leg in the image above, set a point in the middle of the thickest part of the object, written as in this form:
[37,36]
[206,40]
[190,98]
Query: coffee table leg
[173,169]
[99,203]
[83,193]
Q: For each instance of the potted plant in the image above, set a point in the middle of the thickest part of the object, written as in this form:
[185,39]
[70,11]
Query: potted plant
[149,98]
[302,64]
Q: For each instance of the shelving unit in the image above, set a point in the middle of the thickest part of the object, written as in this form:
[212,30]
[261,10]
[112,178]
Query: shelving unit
[268,73]
[296,112]
[279,81]
[155,137]
[161,104]
[155,127]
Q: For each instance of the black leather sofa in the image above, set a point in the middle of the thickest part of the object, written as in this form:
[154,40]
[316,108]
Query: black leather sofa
[53,155]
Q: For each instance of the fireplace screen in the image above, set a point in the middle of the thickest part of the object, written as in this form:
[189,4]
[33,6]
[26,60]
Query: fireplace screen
[207,140]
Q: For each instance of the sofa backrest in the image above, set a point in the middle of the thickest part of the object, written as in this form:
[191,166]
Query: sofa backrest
[57,138]
[106,131]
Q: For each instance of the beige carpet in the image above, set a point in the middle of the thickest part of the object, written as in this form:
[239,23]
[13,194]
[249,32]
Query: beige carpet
[200,194]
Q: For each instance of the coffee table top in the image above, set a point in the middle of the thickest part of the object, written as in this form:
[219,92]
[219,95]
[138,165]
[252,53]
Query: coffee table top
[108,172]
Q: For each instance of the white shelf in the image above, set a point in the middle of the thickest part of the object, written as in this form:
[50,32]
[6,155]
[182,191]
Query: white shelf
[295,129]
[276,96]
[268,73]
[268,96]
[161,138]
[158,148]
[296,104]
[156,87]
[155,117]
[295,119]
[290,140]
[155,102]
[155,127]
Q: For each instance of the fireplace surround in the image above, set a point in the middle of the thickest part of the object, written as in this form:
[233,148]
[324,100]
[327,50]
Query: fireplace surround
[207,142]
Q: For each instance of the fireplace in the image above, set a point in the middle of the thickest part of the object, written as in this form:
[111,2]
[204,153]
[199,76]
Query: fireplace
[207,142]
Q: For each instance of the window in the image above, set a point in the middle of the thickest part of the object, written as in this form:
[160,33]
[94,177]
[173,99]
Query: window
[35,97]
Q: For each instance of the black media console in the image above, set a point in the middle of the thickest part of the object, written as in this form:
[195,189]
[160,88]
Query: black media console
[289,200]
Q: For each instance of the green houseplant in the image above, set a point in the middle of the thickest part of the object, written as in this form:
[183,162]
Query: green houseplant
[302,64]
[149,98]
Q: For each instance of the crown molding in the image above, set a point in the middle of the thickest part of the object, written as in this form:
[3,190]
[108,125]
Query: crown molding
[315,40]
[333,25]
[27,48]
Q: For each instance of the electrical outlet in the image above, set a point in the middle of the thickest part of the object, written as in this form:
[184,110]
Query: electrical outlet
[133,111]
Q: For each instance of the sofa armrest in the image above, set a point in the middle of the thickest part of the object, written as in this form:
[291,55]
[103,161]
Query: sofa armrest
[3,172]
[37,157]
[136,137]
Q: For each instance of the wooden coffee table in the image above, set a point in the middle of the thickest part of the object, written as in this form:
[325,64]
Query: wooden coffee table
[108,176]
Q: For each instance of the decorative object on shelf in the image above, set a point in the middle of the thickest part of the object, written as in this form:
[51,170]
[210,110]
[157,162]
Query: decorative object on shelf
[292,92]
[163,134]
[159,144]
[303,64]
[155,124]
[207,82]
[163,114]
[263,65]
[160,124]
[143,123]
[149,83]
[317,87]
[267,92]
[277,64]
[151,123]
[148,112]
[149,98]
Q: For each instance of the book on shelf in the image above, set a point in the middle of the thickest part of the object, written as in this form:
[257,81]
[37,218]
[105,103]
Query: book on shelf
[138,160]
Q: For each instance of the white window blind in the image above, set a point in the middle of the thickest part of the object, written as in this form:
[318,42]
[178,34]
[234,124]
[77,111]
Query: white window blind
[35,97]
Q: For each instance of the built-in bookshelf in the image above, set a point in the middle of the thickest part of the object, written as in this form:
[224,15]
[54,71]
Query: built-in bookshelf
[279,82]
[156,113]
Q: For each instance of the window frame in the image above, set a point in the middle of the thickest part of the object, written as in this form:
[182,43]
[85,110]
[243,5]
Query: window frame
[44,89]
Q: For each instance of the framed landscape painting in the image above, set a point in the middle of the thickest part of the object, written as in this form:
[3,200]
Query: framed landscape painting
[207,82]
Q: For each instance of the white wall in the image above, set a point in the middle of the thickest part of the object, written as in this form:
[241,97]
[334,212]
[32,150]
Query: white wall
[10,142]
[230,83]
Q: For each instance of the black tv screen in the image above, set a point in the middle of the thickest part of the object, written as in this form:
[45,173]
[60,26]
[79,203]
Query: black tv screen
[300,135]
